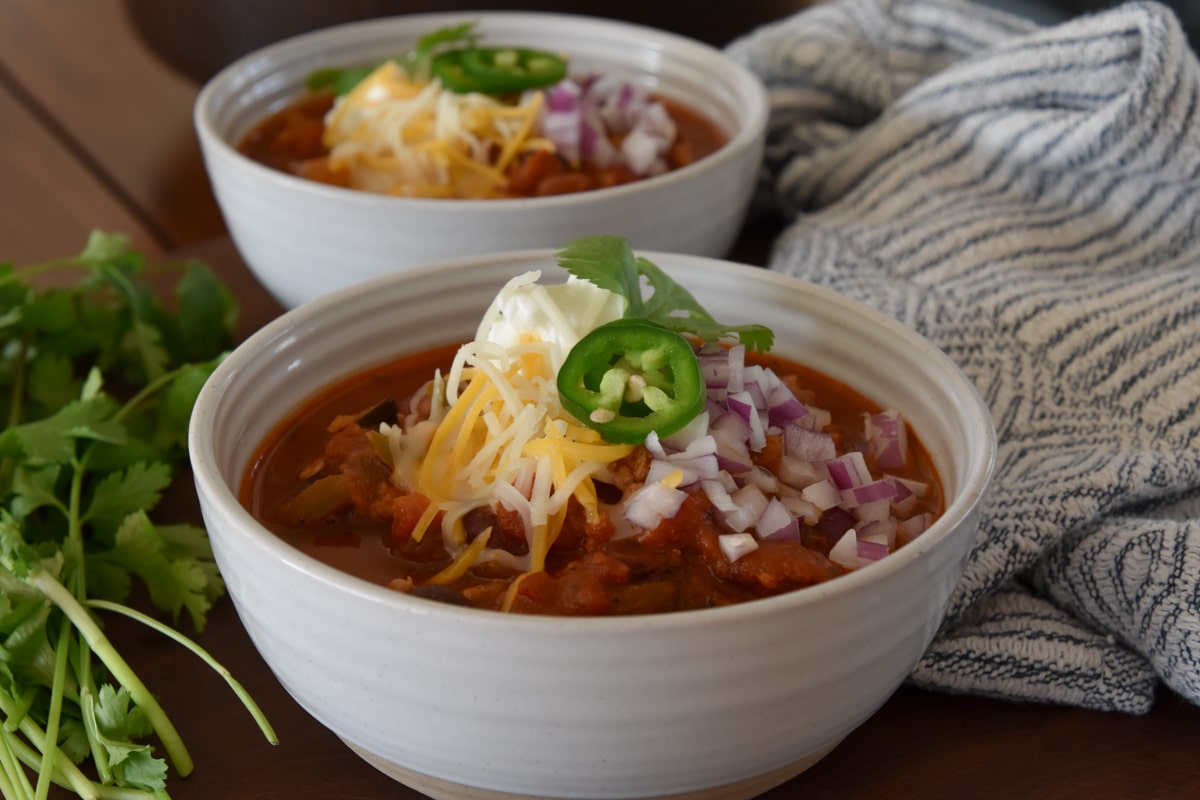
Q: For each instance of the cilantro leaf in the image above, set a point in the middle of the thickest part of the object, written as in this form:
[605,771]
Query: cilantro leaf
[176,583]
[52,440]
[417,60]
[118,723]
[608,262]
[208,313]
[121,493]
[35,488]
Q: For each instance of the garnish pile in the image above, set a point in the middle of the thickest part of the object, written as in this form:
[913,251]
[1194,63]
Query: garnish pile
[98,379]
[454,118]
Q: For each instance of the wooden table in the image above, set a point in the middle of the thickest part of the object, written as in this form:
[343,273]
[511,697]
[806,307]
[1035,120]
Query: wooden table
[96,133]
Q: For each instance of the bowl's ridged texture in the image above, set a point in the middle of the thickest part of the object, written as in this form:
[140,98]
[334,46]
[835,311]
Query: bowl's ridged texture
[594,708]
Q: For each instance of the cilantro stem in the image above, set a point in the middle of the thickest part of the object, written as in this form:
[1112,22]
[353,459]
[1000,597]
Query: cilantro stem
[117,666]
[155,385]
[55,714]
[34,270]
[71,775]
[15,783]
[204,655]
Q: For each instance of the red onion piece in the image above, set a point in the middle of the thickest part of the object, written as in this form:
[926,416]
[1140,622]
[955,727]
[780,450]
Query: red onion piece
[848,470]
[871,492]
[777,523]
[652,503]
[871,551]
[822,494]
[888,437]
[813,446]
[736,545]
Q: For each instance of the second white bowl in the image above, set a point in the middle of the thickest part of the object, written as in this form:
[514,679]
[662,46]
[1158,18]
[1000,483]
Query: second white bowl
[303,239]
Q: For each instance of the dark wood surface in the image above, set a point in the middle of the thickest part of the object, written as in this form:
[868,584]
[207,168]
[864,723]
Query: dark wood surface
[95,132]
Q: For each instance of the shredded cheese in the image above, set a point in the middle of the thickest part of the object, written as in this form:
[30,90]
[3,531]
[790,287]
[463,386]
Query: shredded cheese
[394,136]
[497,434]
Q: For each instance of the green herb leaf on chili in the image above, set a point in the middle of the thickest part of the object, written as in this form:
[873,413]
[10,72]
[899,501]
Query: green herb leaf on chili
[608,262]
[418,61]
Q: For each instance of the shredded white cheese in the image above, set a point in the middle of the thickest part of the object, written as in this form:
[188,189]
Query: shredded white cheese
[504,439]
[394,136]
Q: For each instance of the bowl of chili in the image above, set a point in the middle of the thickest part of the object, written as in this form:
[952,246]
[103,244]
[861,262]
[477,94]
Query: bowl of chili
[722,699]
[559,125]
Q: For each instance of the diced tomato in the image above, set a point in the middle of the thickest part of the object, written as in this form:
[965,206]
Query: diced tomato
[406,512]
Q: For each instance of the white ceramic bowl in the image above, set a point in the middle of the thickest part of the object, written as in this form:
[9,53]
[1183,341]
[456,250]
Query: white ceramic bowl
[302,239]
[466,703]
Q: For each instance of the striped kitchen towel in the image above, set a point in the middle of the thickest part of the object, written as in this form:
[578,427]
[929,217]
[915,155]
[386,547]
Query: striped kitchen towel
[1029,199]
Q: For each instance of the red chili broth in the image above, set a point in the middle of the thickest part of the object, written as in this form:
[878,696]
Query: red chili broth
[364,550]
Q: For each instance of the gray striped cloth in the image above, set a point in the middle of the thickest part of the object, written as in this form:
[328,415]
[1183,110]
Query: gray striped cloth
[1029,199]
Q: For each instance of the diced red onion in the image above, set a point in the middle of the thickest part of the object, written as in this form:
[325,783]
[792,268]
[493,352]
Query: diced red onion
[639,151]
[763,478]
[777,523]
[797,473]
[880,509]
[905,499]
[695,430]
[753,384]
[737,368]
[871,551]
[736,545]
[564,96]
[835,521]
[651,503]
[749,503]
[848,470]
[888,437]
[800,508]
[742,403]
[782,406]
[662,470]
[654,445]
[878,530]
[845,551]
[871,492]
[817,419]
[822,494]
[806,445]
[732,433]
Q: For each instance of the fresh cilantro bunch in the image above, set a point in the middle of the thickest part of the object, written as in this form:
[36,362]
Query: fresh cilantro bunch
[97,381]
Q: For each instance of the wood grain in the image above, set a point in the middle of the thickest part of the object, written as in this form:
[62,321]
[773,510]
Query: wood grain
[95,131]
[105,105]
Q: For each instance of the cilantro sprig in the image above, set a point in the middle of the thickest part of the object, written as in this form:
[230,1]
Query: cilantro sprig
[609,262]
[97,381]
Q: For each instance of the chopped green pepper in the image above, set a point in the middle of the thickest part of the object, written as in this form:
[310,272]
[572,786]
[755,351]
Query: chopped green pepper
[493,70]
[630,377]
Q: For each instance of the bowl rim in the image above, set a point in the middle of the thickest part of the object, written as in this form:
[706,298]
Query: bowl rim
[751,130]
[210,484]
